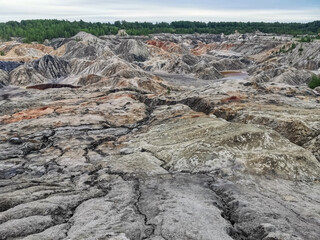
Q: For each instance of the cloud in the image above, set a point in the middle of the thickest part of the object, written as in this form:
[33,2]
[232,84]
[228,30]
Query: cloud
[141,10]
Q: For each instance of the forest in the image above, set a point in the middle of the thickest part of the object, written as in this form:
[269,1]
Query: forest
[39,30]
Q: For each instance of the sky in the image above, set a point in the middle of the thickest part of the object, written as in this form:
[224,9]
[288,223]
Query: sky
[164,10]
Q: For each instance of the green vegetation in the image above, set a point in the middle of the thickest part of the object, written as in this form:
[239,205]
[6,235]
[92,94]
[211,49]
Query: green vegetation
[2,53]
[168,90]
[77,39]
[300,50]
[290,49]
[309,38]
[315,82]
[39,30]
[306,39]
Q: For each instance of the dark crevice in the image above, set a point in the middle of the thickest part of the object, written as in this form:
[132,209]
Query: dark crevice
[150,228]
[115,90]
[124,176]
[227,212]
[197,104]
[93,145]
[51,85]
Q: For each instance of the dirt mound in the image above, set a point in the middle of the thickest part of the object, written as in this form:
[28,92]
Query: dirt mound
[23,52]
[132,50]
[167,46]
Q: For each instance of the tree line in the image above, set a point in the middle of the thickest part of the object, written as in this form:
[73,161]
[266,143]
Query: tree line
[39,30]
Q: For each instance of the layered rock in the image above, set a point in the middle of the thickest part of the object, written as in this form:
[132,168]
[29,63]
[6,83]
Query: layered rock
[51,67]
[82,50]
[25,75]
[114,73]
[40,71]
[132,50]
[230,64]
[305,56]
[294,77]
[4,77]
[14,51]
[217,146]
[9,66]
[209,73]
[190,59]
[206,71]
[168,46]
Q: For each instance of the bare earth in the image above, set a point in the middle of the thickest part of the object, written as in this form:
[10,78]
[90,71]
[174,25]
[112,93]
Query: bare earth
[135,139]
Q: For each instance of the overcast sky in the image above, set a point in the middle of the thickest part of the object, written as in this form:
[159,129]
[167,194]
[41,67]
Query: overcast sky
[164,10]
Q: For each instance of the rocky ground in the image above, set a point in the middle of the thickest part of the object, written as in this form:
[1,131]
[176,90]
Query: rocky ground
[167,137]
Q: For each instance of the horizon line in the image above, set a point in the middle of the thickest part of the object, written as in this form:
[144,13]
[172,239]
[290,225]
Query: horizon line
[155,22]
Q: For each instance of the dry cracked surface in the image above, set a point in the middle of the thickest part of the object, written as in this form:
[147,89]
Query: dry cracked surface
[134,154]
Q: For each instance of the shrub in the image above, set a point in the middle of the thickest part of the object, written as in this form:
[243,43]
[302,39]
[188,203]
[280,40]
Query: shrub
[168,90]
[306,39]
[2,53]
[315,82]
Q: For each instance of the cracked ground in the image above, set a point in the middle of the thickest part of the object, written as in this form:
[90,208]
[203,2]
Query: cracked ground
[125,154]
[81,164]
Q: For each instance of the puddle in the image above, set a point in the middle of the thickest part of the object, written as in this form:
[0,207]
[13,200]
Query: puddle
[182,79]
[234,74]
[190,81]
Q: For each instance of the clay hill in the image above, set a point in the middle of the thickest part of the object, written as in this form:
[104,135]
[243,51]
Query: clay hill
[211,137]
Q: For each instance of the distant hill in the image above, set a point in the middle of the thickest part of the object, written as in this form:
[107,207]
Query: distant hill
[39,30]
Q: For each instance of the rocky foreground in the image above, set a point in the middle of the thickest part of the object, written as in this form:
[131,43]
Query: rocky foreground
[205,137]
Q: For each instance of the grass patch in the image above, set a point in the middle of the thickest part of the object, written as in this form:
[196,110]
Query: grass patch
[315,82]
